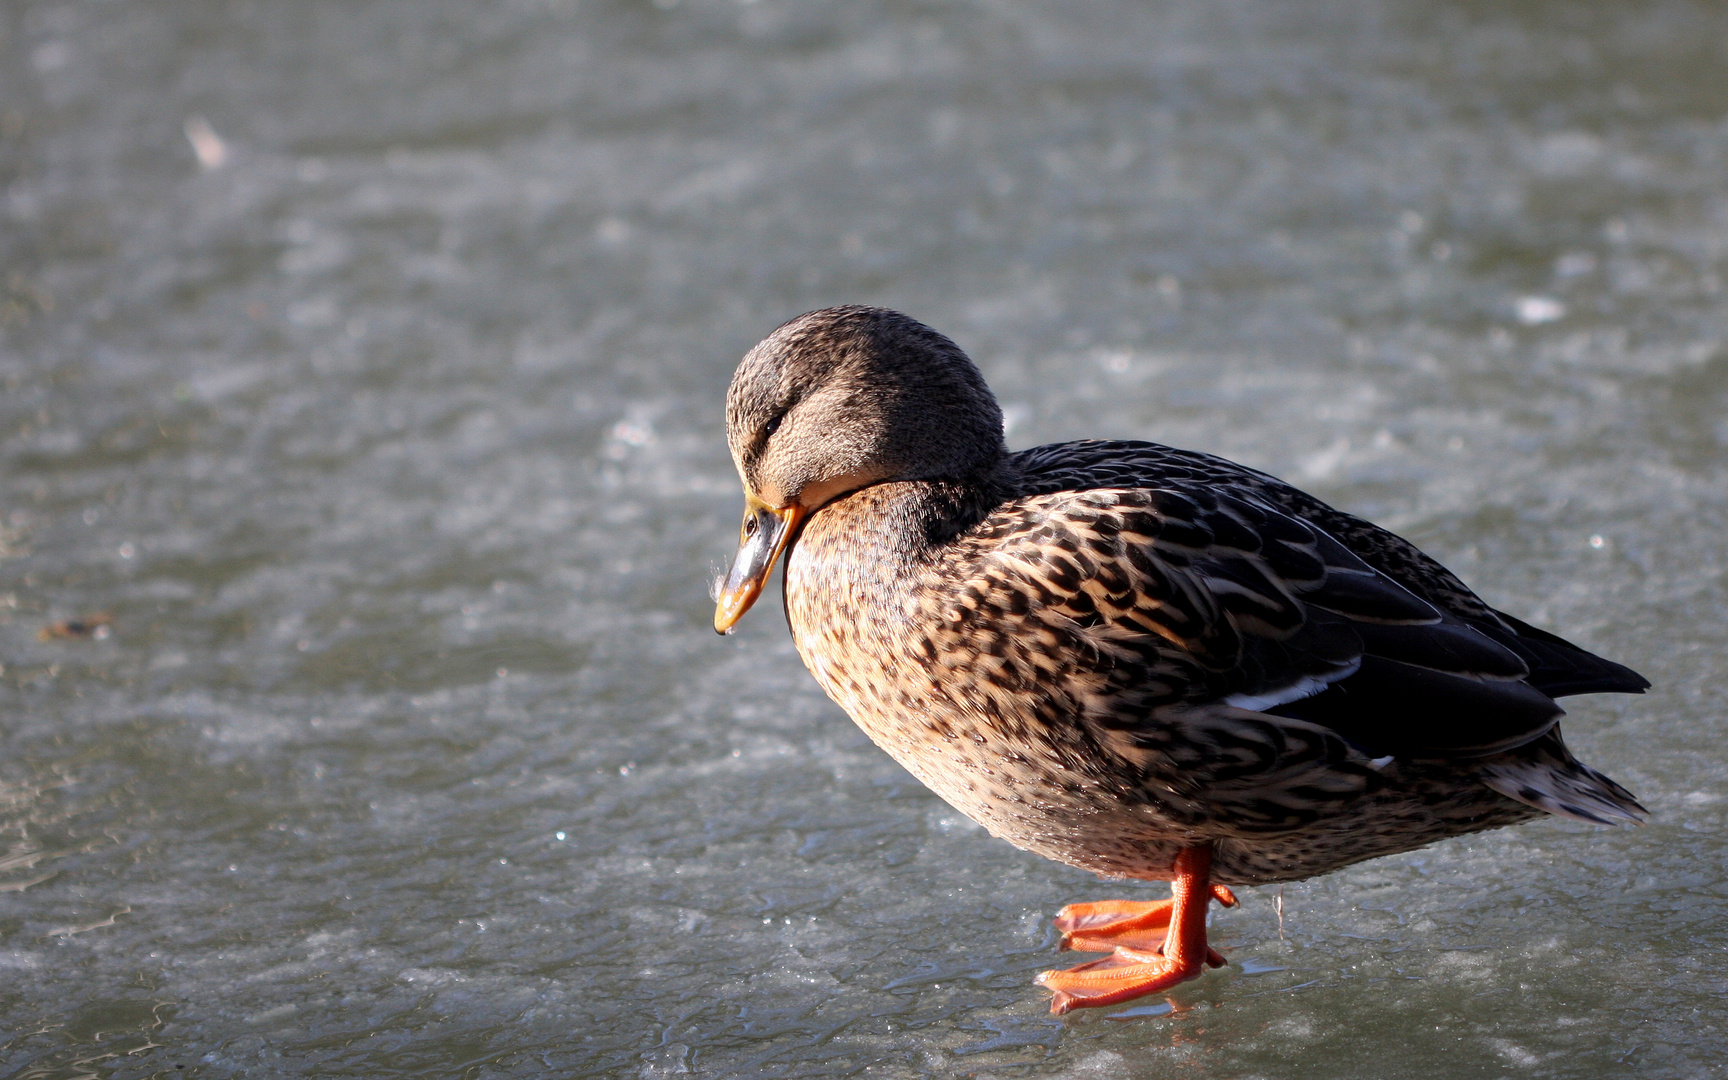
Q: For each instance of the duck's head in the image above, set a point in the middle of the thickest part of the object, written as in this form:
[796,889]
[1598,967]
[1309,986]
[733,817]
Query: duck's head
[837,400]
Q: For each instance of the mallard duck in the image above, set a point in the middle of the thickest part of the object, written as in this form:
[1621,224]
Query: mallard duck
[1146,662]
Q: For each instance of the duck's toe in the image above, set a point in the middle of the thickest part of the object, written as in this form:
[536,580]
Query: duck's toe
[1123,975]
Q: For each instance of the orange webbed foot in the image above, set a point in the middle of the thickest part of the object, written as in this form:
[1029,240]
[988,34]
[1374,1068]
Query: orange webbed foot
[1123,975]
[1153,946]
[1107,924]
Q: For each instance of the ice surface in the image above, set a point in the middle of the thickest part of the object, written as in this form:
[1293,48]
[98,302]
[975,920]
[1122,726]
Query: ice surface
[389,438]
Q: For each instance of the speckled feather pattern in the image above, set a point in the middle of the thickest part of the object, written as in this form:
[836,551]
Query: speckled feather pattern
[1106,651]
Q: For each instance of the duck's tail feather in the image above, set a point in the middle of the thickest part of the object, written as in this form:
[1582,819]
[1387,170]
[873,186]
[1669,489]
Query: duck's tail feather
[1544,774]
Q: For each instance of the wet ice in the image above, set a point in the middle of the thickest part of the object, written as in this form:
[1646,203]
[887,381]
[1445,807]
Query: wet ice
[392,445]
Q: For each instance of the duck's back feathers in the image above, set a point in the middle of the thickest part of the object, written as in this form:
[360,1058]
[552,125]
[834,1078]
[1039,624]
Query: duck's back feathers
[1291,607]
[1106,463]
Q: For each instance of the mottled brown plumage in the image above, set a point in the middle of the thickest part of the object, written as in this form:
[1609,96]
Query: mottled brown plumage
[1108,652]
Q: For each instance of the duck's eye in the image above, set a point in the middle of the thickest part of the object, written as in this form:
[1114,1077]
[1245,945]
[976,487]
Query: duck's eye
[772,426]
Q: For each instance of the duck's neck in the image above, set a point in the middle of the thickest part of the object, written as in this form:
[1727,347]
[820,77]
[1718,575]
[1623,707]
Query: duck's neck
[888,530]
[940,511]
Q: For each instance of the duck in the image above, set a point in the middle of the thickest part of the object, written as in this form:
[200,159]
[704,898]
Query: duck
[1143,661]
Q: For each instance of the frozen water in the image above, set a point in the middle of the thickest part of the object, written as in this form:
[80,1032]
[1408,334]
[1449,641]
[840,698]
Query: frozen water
[363,366]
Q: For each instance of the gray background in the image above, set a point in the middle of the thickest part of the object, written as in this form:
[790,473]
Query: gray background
[392,446]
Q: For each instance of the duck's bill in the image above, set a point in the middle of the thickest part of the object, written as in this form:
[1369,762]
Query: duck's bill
[761,539]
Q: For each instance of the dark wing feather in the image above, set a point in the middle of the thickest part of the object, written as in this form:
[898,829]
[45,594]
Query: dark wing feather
[1559,668]
[1416,711]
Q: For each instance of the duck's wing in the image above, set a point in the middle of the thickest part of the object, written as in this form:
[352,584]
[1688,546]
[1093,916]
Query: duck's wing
[1190,598]
[1557,667]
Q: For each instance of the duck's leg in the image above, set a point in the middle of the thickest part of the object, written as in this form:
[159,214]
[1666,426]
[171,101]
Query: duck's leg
[1137,963]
